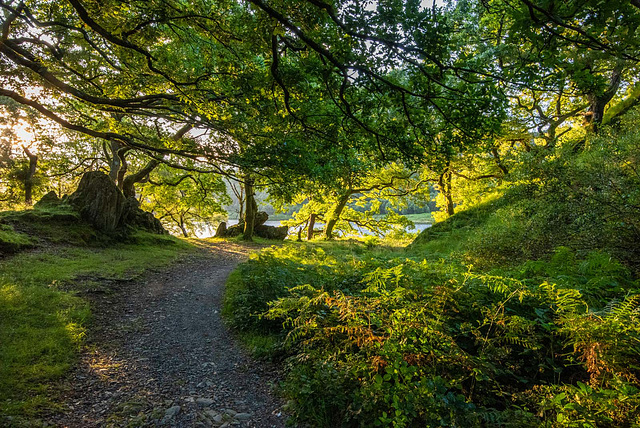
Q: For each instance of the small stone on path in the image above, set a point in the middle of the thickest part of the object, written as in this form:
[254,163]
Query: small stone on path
[242,416]
[172,411]
[204,401]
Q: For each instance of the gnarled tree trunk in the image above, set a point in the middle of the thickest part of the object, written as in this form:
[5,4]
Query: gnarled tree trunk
[122,171]
[598,102]
[114,159]
[128,184]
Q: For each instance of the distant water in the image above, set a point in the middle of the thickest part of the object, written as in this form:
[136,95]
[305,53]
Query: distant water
[207,231]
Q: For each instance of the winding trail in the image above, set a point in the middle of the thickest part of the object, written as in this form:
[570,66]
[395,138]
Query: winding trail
[160,355]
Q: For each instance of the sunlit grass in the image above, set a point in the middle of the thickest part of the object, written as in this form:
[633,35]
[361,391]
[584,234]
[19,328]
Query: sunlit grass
[41,330]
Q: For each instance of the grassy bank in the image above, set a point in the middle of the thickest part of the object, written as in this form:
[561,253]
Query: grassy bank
[522,310]
[43,314]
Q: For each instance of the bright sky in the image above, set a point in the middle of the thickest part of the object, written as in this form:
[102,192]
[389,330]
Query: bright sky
[23,134]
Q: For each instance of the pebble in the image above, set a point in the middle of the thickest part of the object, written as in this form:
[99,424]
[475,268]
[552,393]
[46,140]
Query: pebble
[204,401]
[215,416]
[242,416]
[172,411]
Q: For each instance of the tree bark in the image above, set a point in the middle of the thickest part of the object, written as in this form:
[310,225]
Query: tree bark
[450,209]
[599,102]
[251,208]
[239,194]
[312,223]
[335,214]
[128,184]
[122,171]
[28,179]
[444,183]
[183,229]
[114,160]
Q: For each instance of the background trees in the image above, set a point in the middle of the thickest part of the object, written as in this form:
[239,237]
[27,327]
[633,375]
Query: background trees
[284,93]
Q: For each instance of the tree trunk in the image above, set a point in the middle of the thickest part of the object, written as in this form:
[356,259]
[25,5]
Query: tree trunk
[444,183]
[239,194]
[128,184]
[251,208]
[122,171]
[599,102]
[28,179]
[335,214]
[114,164]
[115,161]
[450,210]
[312,223]
[183,229]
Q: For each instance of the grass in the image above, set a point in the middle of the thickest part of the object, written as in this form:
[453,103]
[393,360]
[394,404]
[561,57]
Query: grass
[61,266]
[55,225]
[12,241]
[44,317]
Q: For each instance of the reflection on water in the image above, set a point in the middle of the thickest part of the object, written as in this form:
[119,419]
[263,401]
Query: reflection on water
[207,231]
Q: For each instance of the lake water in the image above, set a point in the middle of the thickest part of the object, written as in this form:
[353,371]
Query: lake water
[208,231]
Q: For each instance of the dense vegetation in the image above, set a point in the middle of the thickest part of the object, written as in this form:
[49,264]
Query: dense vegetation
[374,338]
[521,311]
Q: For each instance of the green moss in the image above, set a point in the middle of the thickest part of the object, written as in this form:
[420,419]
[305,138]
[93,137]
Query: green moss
[58,224]
[12,241]
[41,331]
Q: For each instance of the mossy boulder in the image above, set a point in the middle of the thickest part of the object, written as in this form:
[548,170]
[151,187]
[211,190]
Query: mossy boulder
[50,199]
[271,232]
[135,217]
[99,201]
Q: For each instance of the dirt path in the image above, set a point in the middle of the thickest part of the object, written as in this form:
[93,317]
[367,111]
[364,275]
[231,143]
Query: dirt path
[160,355]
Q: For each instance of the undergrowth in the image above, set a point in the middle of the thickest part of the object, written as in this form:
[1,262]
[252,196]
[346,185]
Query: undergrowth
[377,338]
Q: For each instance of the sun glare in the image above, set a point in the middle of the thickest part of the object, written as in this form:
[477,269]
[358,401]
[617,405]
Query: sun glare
[24,136]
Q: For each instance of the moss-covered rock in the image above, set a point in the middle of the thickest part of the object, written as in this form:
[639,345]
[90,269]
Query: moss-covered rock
[99,201]
[50,199]
[12,241]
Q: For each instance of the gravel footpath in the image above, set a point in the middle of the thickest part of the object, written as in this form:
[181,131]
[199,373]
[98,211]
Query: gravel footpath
[159,355]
